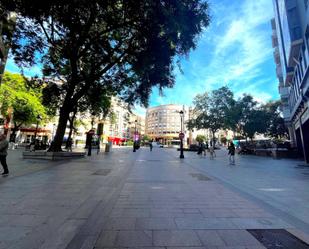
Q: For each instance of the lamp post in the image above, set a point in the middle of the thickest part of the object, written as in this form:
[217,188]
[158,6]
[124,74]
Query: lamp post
[37,126]
[181,135]
[134,137]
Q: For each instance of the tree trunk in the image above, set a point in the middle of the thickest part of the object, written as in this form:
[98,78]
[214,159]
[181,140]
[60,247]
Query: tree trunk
[213,138]
[62,124]
[71,120]
[13,134]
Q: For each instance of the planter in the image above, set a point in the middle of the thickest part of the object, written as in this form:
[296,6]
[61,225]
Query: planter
[44,155]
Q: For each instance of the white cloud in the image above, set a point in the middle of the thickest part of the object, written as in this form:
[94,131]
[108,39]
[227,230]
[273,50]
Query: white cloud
[242,47]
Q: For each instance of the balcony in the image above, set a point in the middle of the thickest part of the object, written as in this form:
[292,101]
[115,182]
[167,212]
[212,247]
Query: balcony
[276,55]
[289,78]
[279,72]
[284,91]
[274,40]
[294,52]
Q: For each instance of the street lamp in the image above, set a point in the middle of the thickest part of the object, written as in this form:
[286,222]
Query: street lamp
[181,135]
[37,125]
[92,119]
[134,137]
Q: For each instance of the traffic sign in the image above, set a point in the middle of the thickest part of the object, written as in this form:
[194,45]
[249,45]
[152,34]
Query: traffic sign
[181,135]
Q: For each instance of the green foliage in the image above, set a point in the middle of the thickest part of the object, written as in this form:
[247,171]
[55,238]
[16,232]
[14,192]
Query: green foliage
[219,110]
[210,109]
[114,47]
[223,140]
[276,127]
[25,102]
[146,138]
[130,143]
[200,138]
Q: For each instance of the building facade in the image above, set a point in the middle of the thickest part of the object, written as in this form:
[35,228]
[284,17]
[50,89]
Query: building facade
[291,53]
[122,125]
[164,123]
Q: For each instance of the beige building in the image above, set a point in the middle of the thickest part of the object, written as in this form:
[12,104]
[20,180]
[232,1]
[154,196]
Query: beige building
[163,123]
[120,126]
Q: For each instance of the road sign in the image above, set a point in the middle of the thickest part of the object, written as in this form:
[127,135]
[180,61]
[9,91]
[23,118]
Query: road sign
[181,135]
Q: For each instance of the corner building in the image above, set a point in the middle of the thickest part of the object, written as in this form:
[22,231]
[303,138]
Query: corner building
[290,40]
[163,123]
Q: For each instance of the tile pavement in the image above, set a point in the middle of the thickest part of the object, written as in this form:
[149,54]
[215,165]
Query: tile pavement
[147,200]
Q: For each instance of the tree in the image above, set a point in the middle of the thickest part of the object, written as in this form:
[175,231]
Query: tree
[210,110]
[276,127]
[256,122]
[121,46]
[24,102]
[200,138]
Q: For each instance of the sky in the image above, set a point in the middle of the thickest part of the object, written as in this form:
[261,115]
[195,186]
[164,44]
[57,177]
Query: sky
[235,50]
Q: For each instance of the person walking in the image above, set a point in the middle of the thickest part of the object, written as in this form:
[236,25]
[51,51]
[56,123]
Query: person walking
[150,145]
[203,148]
[70,143]
[231,149]
[212,152]
[4,144]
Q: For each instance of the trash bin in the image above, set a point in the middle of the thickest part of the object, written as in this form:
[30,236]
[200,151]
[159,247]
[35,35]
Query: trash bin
[108,147]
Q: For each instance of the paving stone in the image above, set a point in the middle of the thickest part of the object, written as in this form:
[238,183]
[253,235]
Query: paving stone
[107,239]
[175,238]
[210,238]
[220,213]
[205,223]
[259,223]
[131,213]
[238,238]
[13,233]
[119,224]
[155,224]
[134,238]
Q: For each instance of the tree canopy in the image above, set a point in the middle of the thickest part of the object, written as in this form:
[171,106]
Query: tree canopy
[25,102]
[219,110]
[210,110]
[123,46]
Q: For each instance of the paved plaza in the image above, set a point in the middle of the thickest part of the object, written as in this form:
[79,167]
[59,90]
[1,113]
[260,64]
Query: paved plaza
[151,200]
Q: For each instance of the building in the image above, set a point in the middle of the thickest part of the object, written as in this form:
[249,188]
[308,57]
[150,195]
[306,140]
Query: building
[291,53]
[164,123]
[121,124]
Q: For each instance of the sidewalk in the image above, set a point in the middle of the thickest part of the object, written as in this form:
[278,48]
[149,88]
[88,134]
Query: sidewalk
[132,200]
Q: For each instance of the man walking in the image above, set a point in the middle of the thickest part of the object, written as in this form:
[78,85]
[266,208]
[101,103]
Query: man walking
[4,144]
[231,149]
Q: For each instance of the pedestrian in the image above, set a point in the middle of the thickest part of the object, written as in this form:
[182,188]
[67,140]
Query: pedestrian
[150,145]
[70,143]
[4,144]
[212,152]
[204,149]
[99,146]
[200,149]
[231,149]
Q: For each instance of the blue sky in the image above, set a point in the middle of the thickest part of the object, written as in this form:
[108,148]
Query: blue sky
[235,50]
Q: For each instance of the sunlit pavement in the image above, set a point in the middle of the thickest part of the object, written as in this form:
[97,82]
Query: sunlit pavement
[151,200]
